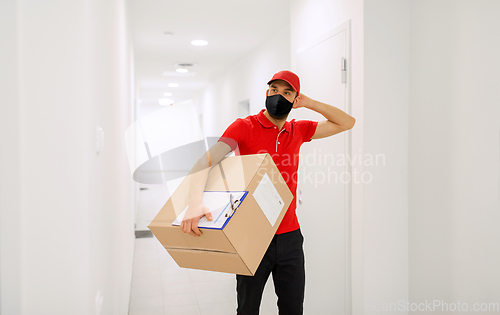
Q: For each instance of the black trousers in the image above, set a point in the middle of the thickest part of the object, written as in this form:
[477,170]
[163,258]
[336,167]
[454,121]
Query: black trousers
[285,260]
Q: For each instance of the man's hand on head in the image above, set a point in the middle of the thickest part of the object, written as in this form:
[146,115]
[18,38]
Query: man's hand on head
[302,101]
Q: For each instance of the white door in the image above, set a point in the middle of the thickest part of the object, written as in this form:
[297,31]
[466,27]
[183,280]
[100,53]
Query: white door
[324,179]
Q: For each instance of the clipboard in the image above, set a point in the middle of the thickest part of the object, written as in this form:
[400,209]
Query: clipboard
[222,205]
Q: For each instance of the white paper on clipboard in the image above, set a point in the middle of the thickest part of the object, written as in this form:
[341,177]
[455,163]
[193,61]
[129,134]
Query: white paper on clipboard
[269,199]
[219,204]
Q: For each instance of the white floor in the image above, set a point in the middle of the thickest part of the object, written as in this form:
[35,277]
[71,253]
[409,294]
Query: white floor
[160,287]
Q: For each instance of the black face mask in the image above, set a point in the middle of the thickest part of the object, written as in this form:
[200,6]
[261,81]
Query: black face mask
[278,106]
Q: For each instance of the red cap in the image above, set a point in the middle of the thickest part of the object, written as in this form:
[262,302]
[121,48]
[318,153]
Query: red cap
[289,77]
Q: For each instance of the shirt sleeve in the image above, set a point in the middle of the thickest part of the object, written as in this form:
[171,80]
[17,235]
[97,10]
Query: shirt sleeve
[307,129]
[233,134]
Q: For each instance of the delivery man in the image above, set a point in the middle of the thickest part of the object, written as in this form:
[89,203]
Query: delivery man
[270,132]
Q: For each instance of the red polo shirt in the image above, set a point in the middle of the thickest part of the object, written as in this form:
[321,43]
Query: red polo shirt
[256,134]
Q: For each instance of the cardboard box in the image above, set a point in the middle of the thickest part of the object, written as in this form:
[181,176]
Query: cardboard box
[239,246]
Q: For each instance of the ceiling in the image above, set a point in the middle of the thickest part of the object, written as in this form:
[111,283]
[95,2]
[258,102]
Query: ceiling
[233,28]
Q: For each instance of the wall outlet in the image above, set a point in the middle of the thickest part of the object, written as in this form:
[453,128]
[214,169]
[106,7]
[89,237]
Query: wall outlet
[99,140]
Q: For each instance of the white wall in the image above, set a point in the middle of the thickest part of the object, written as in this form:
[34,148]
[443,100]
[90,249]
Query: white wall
[386,101]
[70,211]
[10,186]
[247,79]
[454,151]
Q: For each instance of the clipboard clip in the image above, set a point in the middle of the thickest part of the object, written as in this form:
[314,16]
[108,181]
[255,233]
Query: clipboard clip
[232,205]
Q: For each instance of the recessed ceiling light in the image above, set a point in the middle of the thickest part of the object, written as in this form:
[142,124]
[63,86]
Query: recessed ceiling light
[181,70]
[199,42]
[167,94]
[173,85]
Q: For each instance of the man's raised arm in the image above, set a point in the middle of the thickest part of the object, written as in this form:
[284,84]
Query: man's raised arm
[336,119]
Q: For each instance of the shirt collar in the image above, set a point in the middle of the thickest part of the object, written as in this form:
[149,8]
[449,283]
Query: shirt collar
[266,123]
